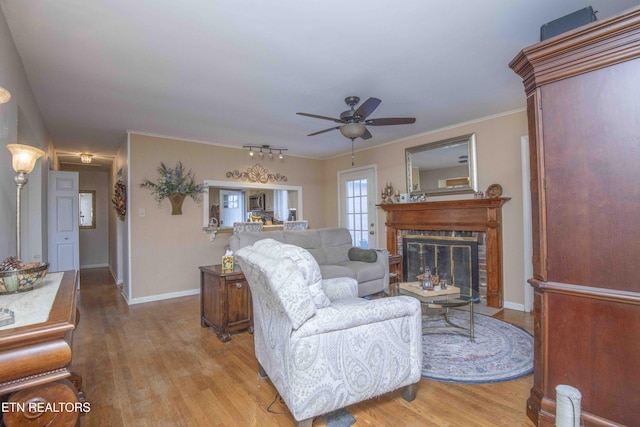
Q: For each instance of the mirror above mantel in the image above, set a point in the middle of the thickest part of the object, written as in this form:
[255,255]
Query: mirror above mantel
[443,167]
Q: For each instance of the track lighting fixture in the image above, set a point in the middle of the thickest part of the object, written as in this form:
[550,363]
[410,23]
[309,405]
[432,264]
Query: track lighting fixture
[265,150]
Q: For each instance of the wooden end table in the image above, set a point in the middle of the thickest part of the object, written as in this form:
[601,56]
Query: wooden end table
[395,272]
[225,301]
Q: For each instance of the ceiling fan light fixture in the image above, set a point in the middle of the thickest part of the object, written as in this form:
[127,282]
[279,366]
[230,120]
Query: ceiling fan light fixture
[251,153]
[280,155]
[352,130]
[86,158]
[354,122]
[270,154]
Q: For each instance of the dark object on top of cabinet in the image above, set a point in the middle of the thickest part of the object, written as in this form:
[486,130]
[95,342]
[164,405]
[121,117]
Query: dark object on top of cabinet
[567,23]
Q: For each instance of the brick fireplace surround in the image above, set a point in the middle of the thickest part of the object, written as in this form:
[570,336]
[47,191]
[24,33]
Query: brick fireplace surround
[483,215]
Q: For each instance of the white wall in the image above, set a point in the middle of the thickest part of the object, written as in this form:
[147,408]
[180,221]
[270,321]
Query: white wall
[21,113]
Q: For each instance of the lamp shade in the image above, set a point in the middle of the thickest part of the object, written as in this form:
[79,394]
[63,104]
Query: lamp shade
[5,95]
[24,157]
[86,157]
[352,130]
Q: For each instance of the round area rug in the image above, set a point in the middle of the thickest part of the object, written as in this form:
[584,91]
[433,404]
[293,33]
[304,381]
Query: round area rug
[500,352]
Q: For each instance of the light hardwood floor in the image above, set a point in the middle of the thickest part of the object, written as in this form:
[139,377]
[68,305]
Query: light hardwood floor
[154,365]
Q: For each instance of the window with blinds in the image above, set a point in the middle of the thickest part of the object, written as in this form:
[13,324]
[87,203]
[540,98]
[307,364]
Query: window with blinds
[280,204]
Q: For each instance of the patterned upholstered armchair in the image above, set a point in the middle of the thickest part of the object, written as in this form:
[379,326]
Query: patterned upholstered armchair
[321,346]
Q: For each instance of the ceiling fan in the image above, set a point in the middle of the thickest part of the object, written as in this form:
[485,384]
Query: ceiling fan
[354,122]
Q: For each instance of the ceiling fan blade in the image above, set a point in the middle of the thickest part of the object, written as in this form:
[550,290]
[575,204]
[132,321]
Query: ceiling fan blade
[367,108]
[315,116]
[323,131]
[391,121]
[366,134]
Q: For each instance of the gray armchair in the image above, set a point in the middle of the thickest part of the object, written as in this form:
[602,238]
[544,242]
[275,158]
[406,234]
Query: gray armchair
[321,346]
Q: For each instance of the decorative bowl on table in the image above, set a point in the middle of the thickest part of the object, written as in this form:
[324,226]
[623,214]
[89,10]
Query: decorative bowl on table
[26,278]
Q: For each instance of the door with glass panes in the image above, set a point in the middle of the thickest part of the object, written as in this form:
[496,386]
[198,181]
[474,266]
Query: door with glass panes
[232,207]
[357,205]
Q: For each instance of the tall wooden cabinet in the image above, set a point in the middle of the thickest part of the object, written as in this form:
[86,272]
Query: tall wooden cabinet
[583,106]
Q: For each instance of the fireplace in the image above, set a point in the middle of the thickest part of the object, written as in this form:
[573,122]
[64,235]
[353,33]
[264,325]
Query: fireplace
[478,218]
[454,256]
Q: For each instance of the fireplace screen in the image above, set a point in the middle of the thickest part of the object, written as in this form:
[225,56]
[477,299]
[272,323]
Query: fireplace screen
[453,258]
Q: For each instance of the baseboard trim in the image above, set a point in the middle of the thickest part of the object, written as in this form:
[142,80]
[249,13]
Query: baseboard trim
[89,266]
[513,306]
[115,277]
[161,297]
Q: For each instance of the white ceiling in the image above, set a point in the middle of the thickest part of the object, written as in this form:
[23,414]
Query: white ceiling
[236,72]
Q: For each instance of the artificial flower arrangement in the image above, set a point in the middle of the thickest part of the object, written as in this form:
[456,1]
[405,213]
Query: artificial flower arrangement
[174,181]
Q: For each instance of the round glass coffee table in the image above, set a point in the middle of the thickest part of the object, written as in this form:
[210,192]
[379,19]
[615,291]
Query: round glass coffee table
[450,297]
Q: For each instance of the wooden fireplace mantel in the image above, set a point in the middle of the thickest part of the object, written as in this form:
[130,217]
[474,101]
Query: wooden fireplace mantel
[483,215]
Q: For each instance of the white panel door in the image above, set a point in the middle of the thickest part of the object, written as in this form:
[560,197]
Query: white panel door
[231,207]
[64,249]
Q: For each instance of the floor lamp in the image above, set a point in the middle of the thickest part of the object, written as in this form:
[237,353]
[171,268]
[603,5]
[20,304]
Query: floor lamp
[24,160]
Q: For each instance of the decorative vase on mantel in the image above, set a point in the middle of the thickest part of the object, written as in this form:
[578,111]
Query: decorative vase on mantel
[176,200]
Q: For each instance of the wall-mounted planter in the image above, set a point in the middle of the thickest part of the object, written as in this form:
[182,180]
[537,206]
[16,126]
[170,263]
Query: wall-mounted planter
[176,200]
[174,184]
